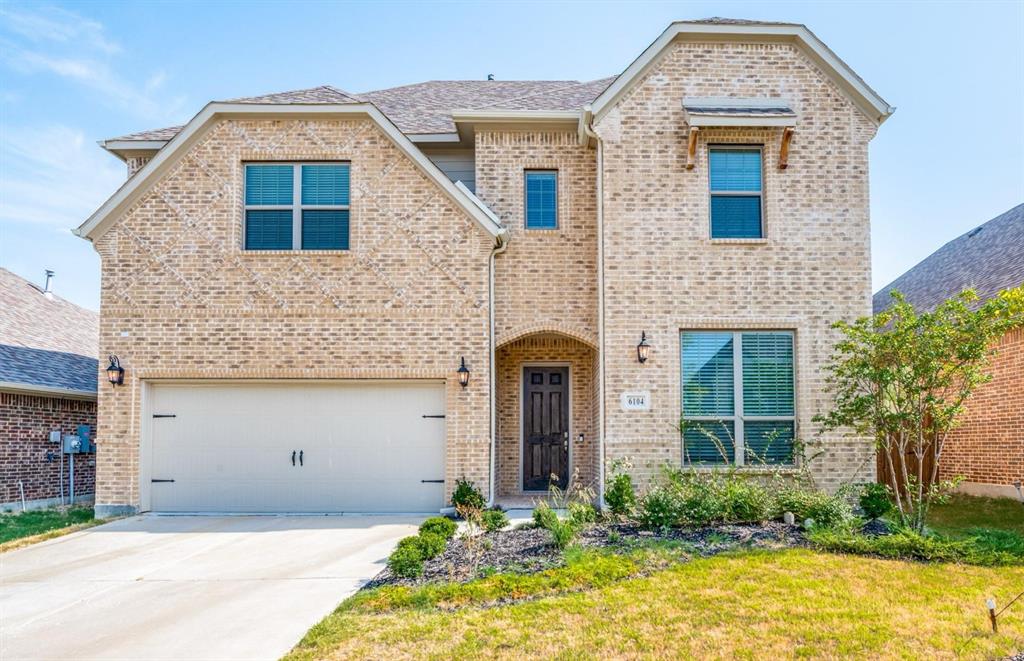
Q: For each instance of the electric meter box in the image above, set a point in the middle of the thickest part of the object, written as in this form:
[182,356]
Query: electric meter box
[80,442]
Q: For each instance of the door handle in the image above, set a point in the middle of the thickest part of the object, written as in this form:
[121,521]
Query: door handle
[300,458]
[293,457]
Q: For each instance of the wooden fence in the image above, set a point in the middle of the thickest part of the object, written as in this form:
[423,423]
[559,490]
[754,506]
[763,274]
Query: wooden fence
[911,463]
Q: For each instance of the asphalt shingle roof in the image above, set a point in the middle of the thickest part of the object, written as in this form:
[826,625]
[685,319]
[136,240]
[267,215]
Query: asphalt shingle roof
[988,259]
[45,341]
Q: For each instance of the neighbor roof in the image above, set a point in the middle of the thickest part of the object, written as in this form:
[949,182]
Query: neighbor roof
[47,343]
[988,259]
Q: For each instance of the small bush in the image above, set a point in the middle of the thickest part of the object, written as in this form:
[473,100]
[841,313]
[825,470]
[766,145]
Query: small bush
[494,520]
[875,500]
[544,516]
[431,544]
[407,560]
[827,511]
[439,525]
[582,513]
[620,495]
[659,509]
[467,495]
[905,544]
[563,533]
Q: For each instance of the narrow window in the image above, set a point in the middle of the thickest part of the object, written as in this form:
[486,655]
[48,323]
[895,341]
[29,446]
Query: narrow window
[541,199]
[735,181]
[738,398]
[297,206]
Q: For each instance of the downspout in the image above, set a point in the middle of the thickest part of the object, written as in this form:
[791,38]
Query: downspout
[588,129]
[500,247]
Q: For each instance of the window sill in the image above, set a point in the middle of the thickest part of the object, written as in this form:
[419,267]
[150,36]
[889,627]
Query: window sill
[741,242]
[294,252]
[789,469]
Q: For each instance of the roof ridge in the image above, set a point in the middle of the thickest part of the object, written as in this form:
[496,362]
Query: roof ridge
[573,84]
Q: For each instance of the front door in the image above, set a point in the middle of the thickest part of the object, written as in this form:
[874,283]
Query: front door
[545,428]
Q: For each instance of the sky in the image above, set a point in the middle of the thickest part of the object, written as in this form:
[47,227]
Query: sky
[71,74]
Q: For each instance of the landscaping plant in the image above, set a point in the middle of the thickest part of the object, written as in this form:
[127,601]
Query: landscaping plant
[407,559]
[493,520]
[467,495]
[620,494]
[875,500]
[563,533]
[439,525]
[903,377]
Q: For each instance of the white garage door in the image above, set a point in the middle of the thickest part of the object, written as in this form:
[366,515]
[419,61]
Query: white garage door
[333,447]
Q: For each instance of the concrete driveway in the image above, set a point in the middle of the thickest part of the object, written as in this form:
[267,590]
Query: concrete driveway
[187,587]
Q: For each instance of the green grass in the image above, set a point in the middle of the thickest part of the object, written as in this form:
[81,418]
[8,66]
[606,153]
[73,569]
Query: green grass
[965,513]
[790,604]
[15,526]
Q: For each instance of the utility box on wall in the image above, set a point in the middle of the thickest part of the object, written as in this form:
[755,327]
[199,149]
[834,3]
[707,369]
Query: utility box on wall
[79,443]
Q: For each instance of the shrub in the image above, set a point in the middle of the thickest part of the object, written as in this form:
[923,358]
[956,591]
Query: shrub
[905,544]
[620,495]
[439,525]
[494,520]
[659,509]
[544,516]
[431,544]
[746,501]
[562,532]
[875,500]
[407,560]
[582,513]
[827,511]
[467,495]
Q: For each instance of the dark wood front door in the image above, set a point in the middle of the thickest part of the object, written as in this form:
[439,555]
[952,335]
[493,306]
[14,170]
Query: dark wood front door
[545,428]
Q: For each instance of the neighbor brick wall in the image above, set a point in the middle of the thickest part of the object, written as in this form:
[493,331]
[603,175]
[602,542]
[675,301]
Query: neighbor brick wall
[539,350]
[25,425]
[663,273]
[988,446]
[180,299]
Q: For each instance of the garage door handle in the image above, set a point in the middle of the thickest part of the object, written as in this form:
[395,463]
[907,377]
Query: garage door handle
[431,481]
[300,458]
[293,457]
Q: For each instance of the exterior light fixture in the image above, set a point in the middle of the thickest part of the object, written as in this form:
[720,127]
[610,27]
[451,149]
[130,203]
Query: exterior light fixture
[115,373]
[463,373]
[643,350]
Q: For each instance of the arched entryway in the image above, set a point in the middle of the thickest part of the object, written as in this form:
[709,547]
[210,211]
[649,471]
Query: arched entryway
[546,415]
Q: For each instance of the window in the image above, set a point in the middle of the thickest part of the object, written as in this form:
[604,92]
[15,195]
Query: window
[735,180]
[738,397]
[296,206]
[541,199]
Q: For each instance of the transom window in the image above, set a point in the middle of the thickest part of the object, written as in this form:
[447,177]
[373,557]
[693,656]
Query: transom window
[738,397]
[541,199]
[296,206]
[735,181]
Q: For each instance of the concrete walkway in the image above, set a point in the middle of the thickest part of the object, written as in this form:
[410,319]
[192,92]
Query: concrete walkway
[187,587]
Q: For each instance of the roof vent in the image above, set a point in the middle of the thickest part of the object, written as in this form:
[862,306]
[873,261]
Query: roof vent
[490,76]
[974,232]
[47,292]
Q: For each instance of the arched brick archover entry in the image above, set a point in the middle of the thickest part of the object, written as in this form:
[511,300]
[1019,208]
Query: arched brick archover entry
[543,328]
[520,351]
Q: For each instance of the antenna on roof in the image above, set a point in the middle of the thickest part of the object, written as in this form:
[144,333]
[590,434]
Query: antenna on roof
[47,292]
[490,76]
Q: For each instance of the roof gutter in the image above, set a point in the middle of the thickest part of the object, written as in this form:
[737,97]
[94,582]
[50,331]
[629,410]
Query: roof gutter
[46,391]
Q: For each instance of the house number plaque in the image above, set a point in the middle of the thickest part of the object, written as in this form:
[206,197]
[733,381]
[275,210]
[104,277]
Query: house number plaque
[636,401]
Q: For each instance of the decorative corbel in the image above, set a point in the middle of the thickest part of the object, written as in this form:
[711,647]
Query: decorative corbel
[787,135]
[691,149]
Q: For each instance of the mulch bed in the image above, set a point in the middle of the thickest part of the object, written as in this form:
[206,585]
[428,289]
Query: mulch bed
[529,550]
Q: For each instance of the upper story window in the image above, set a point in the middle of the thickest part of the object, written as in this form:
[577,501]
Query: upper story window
[735,177]
[296,206]
[541,199]
[738,397]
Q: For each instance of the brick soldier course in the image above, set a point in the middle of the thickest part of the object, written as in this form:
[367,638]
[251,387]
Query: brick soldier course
[182,300]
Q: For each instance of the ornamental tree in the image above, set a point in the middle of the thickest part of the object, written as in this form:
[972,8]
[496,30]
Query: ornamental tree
[903,377]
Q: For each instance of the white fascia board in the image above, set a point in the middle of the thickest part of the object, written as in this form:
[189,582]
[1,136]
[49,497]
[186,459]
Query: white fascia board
[516,116]
[480,203]
[46,391]
[736,102]
[739,120]
[433,137]
[129,192]
[873,106]
[133,145]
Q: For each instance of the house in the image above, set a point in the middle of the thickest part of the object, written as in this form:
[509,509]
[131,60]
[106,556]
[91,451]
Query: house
[48,373]
[987,449]
[327,301]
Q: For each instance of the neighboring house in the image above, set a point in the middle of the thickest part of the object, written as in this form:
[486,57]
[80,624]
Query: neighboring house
[293,281]
[987,449]
[48,373]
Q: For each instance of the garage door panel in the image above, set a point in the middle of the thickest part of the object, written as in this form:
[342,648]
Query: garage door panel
[365,447]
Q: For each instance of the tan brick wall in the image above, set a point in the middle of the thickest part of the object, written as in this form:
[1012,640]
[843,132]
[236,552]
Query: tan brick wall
[988,446]
[181,300]
[663,273]
[539,350]
[547,279]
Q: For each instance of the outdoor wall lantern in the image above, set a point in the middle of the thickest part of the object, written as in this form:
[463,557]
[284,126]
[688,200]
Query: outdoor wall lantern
[115,373]
[643,350]
[463,373]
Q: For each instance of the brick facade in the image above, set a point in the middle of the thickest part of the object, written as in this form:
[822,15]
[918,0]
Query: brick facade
[663,273]
[987,449]
[181,300]
[26,453]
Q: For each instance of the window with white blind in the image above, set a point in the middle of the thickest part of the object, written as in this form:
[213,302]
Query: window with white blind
[296,206]
[738,397]
[735,182]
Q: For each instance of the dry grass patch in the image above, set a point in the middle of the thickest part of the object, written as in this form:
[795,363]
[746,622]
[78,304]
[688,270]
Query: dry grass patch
[795,603]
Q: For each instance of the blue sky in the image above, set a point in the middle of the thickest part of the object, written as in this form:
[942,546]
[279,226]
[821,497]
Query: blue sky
[71,74]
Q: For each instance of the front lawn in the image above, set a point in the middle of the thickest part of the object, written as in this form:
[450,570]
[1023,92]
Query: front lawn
[16,526]
[964,513]
[758,604]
